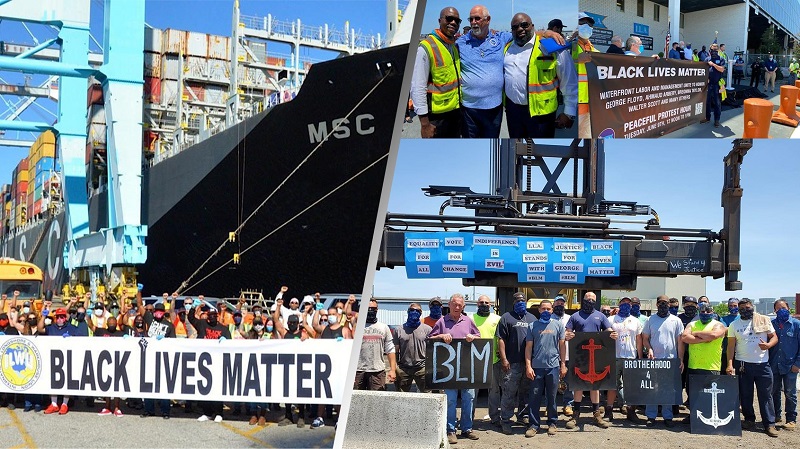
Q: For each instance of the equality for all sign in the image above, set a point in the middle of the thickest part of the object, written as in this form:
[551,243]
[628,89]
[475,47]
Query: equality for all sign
[644,97]
[459,364]
[592,361]
[431,255]
[207,370]
[651,382]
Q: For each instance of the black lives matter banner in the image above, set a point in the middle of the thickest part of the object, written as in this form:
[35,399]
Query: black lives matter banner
[207,370]
[592,361]
[643,96]
[652,382]
[459,364]
[714,405]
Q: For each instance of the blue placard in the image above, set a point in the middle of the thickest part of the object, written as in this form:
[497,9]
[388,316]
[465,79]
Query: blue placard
[435,255]
[640,28]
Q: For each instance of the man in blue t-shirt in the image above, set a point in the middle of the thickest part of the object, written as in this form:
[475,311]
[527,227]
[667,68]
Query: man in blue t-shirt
[784,358]
[511,333]
[770,72]
[545,364]
[588,319]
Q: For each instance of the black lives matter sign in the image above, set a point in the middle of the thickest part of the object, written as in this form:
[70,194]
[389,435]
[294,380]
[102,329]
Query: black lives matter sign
[592,361]
[459,364]
[651,382]
[714,405]
[644,97]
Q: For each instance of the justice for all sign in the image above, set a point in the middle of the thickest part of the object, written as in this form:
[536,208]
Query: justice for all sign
[651,382]
[459,364]
[207,370]
[592,357]
[714,405]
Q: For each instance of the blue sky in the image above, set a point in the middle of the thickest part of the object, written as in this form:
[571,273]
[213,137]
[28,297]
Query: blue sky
[502,11]
[681,179]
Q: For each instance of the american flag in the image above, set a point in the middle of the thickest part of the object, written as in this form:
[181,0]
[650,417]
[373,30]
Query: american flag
[666,43]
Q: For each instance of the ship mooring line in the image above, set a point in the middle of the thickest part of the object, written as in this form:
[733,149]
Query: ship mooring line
[183,285]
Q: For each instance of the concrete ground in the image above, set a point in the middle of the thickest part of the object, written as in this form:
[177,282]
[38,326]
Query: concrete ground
[81,427]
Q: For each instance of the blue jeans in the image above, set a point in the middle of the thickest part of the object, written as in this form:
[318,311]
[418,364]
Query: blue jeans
[150,406]
[521,124]
[713,102]
[545,383]
[481,123]
[788,384]
[651,411]
[569,395]
[761,374]
[466,409]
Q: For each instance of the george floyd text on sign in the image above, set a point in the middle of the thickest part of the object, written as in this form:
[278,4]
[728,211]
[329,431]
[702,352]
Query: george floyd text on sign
[207,370]
[642,96]
[459,364]
[714,405]
[651,382]
[592,361]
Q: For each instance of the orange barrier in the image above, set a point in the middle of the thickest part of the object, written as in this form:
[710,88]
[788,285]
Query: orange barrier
[797,85]
[757,115]
[786,113]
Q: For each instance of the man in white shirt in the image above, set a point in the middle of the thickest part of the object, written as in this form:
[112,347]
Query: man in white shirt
[750,338]
[629,346]
[523,54]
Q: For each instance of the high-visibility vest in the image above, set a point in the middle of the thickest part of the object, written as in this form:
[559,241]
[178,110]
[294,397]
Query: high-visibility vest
[793,67]
[583,79]
[695,57]
[444,88]
[542,82]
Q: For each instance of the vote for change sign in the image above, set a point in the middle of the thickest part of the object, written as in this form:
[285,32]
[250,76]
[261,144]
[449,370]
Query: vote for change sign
[714,405]
[643,96]
[459,364]
[208,370]
[651,382]
[592,358]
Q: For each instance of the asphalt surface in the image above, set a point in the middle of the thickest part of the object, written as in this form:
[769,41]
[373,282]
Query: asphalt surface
[82,428]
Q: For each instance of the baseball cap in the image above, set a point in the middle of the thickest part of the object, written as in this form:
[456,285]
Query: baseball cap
[583,15]
[689,299]
[293,317]
[435,300]
[623,299]
[733,300]
[26,304]
[519,296]
[555,23]
[159,306]
[61,311]
[559,297]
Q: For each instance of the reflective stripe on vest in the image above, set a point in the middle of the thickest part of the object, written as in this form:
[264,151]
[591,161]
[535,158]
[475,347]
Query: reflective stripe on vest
[542,82]
[583,79]
[444,90]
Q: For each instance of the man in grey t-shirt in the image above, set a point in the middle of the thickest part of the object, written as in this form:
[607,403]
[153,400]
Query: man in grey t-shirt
[661,337]
[411,342]
[371,372]
[545,364]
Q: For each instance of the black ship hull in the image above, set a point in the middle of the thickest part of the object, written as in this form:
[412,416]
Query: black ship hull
[193,200]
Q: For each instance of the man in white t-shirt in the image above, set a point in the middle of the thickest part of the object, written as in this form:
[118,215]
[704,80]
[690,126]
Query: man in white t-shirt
[749,339]
[629,346]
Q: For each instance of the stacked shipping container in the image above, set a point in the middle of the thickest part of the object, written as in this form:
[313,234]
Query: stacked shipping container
[27,194]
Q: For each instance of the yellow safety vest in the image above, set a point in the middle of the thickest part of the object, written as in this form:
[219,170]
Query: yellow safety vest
[793,67]
[444,88]
[542,82]
[583,79]
[695,57]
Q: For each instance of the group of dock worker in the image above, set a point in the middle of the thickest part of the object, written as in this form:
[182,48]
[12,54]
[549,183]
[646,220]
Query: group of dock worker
[179,317]
[463,83]
[530,362]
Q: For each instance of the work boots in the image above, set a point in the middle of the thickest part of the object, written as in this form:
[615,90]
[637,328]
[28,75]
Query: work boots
[598,419]
[573,420]
[632,416]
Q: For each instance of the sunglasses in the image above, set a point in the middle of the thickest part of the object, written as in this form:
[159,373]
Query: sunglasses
[523,25]
[452,19]
[415,310]
[475,19]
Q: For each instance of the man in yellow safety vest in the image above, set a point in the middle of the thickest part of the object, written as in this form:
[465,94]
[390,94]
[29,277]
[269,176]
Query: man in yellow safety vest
[579,47]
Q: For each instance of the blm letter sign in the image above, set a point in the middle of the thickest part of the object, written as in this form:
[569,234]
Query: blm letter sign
[714,405]
[644,97]
[652,382]
[459,364]
[592,357]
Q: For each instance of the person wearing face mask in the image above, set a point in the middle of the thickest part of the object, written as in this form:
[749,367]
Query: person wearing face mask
[559,313]
[689,314]
[210,329]
[545,364]
[237,327]
[98,318]
[703,302]
[661,337]
[629,346]
[784,359]
[7,326]
[61,327]
[674,306]
[111,330]
[580,46]
[377,343]
[770,72]
[531,84]
[587,319]
[733,313]
[715,75]
[487,322]
[515,385]
[749,340]
[704,336]
[434,311]
[330,326]
[410,343]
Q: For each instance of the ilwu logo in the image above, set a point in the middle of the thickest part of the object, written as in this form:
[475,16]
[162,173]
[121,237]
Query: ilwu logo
[20,364]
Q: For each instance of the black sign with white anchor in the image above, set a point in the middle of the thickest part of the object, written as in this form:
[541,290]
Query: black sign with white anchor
[714,405]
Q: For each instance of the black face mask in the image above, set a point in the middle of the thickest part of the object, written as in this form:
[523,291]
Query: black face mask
[80,316]
[746,314]
[663,310]
[558,311]
[212,321]
[372,315]
[112,328]
[483,310]
[690,311]
[139,325]
[292,326]
[587,306]
[606,312]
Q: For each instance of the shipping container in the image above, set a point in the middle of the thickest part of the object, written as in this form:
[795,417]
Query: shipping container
[152,40]
[173,41]
[219,47]
[97,114]
[196,67]
[216,94]
[152,90]
[152,64]
[94,94]
[149,141]
[37,207]
[170,67]
[259,50]
[197,91]
[37,194]
[45,164]
[219,70]
[276,61]
[197,44]
[22,166]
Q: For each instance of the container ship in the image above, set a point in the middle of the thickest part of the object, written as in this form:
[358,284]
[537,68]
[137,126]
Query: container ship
[301,179]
